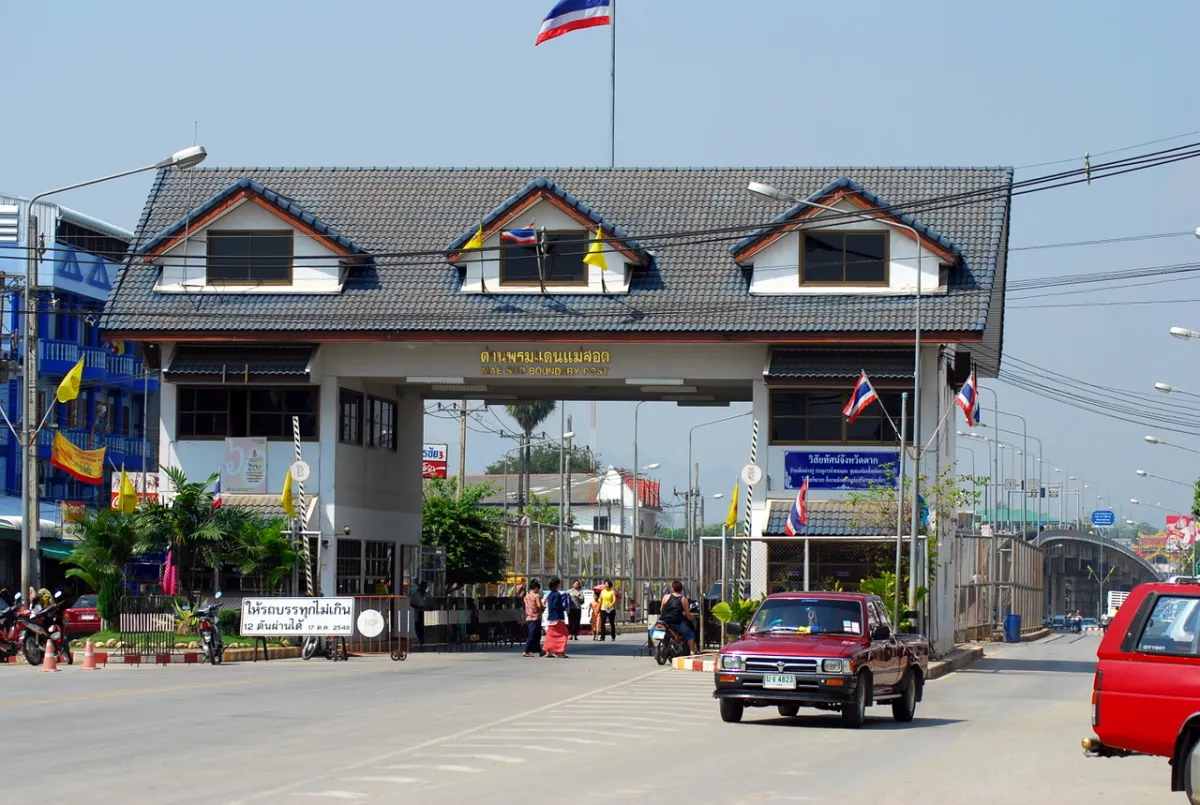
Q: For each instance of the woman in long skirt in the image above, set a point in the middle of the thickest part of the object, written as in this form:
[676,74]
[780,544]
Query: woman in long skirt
[556,620]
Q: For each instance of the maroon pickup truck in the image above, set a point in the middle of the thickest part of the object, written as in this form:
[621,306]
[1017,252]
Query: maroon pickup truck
[831,651]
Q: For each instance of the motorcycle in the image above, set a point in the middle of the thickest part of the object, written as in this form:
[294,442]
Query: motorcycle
[1075,625]
[323,647]
[670,643]
[210,632]
[43,629]
[10,629]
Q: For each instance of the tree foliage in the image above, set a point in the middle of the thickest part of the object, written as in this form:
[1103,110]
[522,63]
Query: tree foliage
[469,532]
[110,542]
[529,415]
[540,510]
[544,459]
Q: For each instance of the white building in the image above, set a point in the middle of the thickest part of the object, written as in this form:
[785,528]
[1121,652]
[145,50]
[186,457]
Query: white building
[347,297]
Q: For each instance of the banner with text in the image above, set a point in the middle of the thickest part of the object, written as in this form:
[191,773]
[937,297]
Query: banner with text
[830,469]
[146,486]
[245,469]
[433,461]
[297,616]
[86,466]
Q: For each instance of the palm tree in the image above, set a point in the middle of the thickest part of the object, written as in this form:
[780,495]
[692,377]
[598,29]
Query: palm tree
[528,417]
[110,542]
[261,550]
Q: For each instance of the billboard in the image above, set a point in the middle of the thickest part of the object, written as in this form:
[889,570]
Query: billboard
[151,486]
[1181,532]
[245,469]
[433,461]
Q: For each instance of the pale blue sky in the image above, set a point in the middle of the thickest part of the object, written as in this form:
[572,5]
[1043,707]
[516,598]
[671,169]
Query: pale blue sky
[99,87]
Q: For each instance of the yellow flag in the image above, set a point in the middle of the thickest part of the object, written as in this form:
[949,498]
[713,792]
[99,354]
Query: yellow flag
[476,242]
[68,389]
[127,498]
[732,518]
[286,498]
[595,252]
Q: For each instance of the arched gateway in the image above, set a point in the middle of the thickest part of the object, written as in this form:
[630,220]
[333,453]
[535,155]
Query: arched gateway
[345,297]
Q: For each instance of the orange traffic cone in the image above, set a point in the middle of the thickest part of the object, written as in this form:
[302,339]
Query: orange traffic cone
[89,657]
[50,663]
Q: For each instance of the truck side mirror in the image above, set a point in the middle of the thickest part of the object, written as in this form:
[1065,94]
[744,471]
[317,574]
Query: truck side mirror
[881,632]
[733,628]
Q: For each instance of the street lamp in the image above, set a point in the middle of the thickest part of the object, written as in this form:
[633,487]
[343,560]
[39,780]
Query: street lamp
[1156,440]
[30,504]
[1145,474]
[1184,333]
[767,191]
[1137,502]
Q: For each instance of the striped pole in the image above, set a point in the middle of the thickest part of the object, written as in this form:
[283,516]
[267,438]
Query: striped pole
[300,514]
[745,553]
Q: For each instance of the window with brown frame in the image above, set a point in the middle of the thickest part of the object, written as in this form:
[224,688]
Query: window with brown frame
[216,413]
[814,416]
[843,258]
[250,257]
[561,260]
[350,426]
[381,423]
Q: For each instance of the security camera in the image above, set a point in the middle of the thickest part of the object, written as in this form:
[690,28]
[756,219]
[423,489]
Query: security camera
[324,542]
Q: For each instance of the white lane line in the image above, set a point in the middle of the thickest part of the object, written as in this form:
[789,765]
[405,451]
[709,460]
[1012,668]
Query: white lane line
[378,779]
[351,795]
[477,756]
[374,761]
[504,741]
[439,767]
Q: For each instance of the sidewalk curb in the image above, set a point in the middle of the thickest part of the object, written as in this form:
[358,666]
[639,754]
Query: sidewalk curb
[695,663]
[190,657]
[1038,635]
[955,661]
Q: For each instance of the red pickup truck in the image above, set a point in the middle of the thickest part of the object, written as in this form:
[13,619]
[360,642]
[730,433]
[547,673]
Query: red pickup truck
[1146,692]
[831,651]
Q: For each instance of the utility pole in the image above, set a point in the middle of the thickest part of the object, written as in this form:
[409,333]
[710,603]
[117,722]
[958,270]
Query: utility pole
[31,510]
[462,446]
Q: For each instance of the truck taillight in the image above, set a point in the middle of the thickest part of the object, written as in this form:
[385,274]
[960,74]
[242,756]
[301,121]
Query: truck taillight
[1096,684]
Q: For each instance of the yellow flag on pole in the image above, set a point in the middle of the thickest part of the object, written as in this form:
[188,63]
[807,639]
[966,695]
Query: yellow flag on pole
[127,498]
[731,519]
[68,389]
[595,252]
[285,499]
[476,241]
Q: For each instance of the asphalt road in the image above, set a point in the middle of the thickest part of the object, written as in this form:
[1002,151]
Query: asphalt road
[498,728]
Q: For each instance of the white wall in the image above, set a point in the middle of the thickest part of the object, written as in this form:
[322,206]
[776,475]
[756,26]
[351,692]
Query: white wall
[316,270]
[543,214]
[777,267]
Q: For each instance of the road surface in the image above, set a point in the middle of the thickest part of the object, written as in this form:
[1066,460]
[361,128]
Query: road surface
[493,727]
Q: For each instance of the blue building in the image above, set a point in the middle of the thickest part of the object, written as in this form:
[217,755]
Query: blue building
[79,256]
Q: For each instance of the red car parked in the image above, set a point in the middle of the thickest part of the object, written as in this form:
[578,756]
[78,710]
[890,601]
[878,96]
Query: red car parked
[1146,692]
[81,618]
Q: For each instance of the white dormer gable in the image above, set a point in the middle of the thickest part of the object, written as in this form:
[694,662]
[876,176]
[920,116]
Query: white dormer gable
[883,261]
[490,270]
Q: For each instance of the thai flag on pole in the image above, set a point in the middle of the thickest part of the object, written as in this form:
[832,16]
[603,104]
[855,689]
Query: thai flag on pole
[523,237]
[572,15]
[798,515]
[216,504]
[862,396]
[968,401]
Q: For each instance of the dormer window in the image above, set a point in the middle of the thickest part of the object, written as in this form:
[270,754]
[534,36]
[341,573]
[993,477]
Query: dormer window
[843,258]
[250,257]
[561,261]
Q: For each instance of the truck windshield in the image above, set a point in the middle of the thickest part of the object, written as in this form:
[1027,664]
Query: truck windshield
[808,616]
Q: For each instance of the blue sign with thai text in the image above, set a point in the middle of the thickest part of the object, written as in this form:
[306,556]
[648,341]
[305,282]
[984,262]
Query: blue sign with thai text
[1104,517]
[837,469]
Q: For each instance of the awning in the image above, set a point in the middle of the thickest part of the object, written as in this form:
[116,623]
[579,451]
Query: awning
[807,364]
[55,550]
[827,518]
[241,363]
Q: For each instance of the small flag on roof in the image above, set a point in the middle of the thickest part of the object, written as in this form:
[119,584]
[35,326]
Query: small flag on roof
[572,15]
[968,401]
[522,237]
[798,515]
[862,396]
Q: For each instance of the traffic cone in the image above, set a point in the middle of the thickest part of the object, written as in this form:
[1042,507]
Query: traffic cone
[89,657]
[50,662]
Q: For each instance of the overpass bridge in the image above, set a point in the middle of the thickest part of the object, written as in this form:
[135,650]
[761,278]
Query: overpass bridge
[1076,561]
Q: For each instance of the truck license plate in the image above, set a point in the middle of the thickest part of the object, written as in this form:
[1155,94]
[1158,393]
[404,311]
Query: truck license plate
[779,681]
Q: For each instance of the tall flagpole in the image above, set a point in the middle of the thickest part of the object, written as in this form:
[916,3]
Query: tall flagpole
[612,98]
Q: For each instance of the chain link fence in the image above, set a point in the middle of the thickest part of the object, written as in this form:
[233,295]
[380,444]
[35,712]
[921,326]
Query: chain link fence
[993,577]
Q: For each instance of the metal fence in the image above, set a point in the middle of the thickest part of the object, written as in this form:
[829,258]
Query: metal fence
[829,563]
[397,625]
[994,577]
[148,625]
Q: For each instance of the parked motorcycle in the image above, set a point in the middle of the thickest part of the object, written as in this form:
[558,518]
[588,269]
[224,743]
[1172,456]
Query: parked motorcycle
[10,628]
[42,630]
[210,632]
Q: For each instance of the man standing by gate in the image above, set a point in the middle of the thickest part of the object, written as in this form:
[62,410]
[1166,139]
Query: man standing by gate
[417,601]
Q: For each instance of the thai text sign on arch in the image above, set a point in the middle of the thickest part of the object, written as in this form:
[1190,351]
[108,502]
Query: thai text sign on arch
[839,469]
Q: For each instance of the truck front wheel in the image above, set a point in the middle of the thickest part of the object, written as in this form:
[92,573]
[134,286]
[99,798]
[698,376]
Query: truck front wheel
[904,708]
[854,712]
[731,710]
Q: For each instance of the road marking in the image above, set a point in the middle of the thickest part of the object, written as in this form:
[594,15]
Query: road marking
[507,741]
[439,767]
[376,779]
[114,694]
[332,794]
[473,731]
[478,756]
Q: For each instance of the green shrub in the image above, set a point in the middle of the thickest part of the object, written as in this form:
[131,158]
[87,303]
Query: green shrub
[230,620]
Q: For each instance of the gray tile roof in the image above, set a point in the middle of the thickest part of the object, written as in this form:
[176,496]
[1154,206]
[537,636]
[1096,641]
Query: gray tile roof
[691,286]
[270,505]
[209,359]
[796,364]
[826,518]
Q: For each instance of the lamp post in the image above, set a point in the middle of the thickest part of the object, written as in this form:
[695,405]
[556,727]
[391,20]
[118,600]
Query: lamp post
[1167,388]
[636,496]
[1156,440]
[30,504]
[691,490]
[1144,474]
[1024,434]
[974,502]
[767,191]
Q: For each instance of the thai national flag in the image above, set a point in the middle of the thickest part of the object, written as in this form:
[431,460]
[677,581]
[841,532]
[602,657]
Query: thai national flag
[798,516]
[968,401]
[862,396]
[216,504]
[524,237]
[572,15]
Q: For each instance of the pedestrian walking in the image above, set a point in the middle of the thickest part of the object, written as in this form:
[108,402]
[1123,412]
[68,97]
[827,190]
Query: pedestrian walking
[608,609]
[594,613]
[557,604]
[533,619]
[418,602]
[575,610]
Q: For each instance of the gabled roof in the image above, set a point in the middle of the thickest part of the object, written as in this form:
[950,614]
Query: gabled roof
[826,518]
[541,189]
[692,290]
[830,194]
[245,188]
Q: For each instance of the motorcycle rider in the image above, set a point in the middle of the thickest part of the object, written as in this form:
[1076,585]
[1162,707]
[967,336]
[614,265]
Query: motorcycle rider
[675,613]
